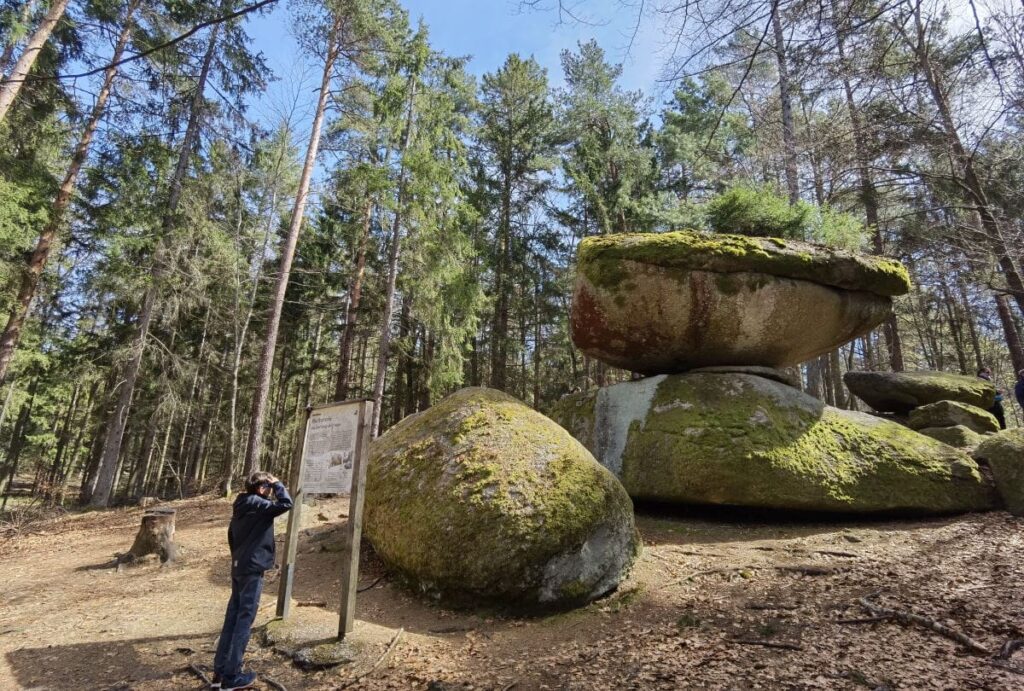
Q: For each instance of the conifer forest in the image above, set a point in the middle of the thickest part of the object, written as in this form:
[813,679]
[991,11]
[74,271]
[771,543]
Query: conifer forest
[180,279]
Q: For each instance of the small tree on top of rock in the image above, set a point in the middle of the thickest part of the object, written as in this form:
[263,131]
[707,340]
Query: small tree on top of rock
[760,211]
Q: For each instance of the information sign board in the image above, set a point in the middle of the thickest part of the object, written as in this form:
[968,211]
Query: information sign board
[330,449]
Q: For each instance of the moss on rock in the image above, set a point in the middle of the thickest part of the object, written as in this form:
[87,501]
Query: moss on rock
[900,392]
[742,440]
[480,499]
[601,259]
[959,436]
[953,413]
[1004,454]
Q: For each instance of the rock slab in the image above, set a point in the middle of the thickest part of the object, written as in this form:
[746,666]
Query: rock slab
[669,302]
[900,392]
[953,413]
[482,500]
[960,436]
[742,440]
[1004,454]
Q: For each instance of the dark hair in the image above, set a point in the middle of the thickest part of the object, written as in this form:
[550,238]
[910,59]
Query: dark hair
[256,479]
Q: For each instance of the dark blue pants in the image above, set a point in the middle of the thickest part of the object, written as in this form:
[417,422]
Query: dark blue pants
[234,636]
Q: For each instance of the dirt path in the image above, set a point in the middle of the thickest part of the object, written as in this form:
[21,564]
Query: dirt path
[714,602]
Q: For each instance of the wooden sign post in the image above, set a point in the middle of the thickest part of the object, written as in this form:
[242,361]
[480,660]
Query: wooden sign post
[330,460]
[350,566]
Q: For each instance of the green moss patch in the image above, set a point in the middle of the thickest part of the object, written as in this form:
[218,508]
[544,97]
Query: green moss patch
[951,414]
[900,392]
[602,260]
[481,499]
[958,436]
[742,440]
[1004,454]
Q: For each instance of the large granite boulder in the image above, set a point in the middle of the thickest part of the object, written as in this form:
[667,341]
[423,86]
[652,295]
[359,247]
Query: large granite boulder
[669,302]
[959,436]
[900,392]
[743,440]
[951,413]
[482,500]
[1004,454]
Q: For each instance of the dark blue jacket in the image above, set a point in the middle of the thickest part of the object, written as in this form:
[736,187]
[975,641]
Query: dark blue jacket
[251,533]
[1018,391]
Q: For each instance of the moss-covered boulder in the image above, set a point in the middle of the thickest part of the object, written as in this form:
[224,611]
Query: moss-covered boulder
[743,440]
[952,413]
[900,392]
[960,436]
[669,302]
[482,500]
[1004,454]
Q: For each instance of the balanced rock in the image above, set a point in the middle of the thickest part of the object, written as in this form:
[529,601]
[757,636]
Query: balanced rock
[900,392]
[960,436]
[1004,454]
[951,413]
[668,302]
[743,440]
[482,500]
[789,376]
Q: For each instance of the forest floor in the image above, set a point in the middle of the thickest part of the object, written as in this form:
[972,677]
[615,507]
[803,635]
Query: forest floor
[715,601]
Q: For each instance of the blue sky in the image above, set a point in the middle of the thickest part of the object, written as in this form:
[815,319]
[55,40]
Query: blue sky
[486,30]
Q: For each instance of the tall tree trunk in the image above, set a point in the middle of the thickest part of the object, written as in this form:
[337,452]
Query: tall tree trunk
[786,101]
[63,439]
[7,403]
[106,473]
[355,293]
[13,39]
[394,253]
[974,190]
[314,360]
[868,191]
[17,442]
[955,328]
[10,87]
[154,481]
[401,390]
[255,274]
[37,260]
[536,344]
[836,371]
[499,325]
[259,402]
[968,317]
[1013,339]
[69,467]
[136,484]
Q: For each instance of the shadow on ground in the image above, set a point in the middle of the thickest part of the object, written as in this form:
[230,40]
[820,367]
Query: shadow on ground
[121,664]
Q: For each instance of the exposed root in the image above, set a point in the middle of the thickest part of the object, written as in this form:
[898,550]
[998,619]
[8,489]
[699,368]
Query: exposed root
[911,618]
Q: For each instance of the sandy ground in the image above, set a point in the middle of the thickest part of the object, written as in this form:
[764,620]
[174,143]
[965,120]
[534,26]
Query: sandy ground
[716,601]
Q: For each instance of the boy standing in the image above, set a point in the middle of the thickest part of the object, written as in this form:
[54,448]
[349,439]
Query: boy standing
[251,539]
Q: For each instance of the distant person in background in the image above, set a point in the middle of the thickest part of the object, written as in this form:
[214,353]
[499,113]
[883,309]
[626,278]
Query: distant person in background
[251,539]
[1018,389]
[997,408]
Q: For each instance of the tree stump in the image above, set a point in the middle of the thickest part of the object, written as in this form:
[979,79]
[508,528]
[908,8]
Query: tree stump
[155,536]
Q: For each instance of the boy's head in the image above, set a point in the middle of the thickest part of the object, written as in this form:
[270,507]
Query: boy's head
[259,482]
